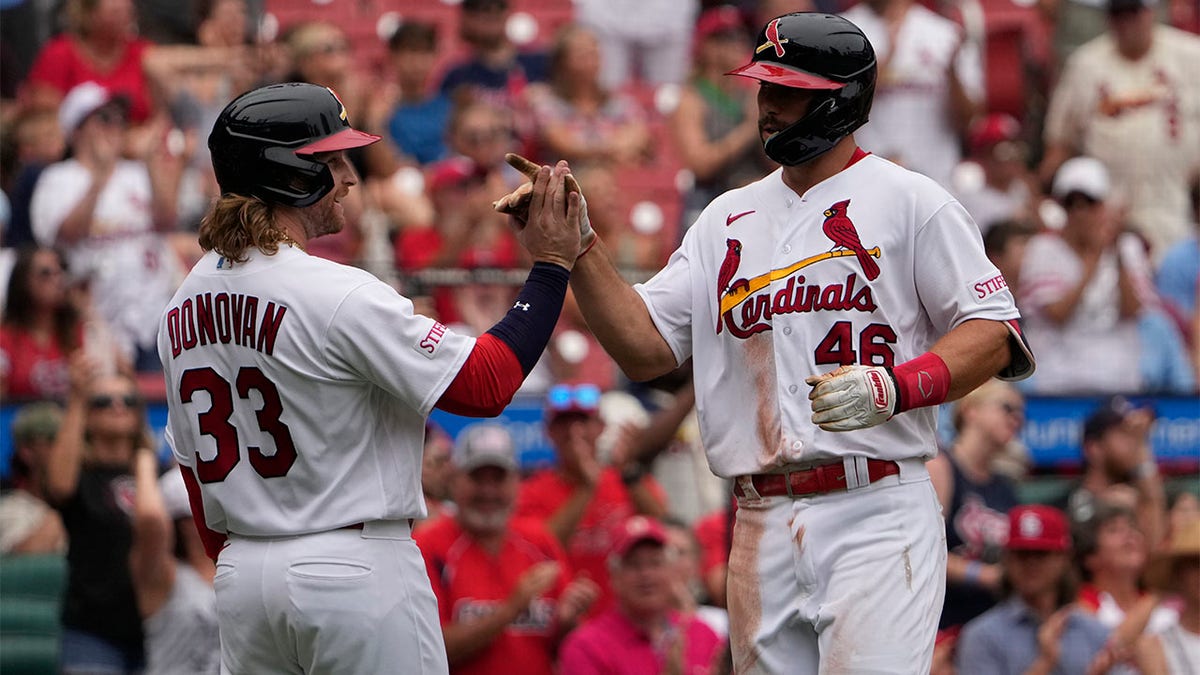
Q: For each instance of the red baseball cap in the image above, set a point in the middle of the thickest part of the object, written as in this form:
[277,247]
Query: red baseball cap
[992,129]
[635,530]
[1034,527]
[723,19]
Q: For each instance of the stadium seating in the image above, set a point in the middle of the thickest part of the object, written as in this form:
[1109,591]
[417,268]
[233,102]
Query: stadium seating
[31,588]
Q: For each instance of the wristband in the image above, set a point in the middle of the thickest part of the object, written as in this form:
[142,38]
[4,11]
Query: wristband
[923,381]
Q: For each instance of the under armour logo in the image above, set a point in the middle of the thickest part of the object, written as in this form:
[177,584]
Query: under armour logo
[523,306]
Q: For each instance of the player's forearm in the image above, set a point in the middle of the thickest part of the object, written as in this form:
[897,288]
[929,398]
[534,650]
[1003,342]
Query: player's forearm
[618,318]
[973,352]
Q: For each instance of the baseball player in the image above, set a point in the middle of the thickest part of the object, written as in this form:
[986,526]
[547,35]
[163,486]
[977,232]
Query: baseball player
[298,390]
[828,307]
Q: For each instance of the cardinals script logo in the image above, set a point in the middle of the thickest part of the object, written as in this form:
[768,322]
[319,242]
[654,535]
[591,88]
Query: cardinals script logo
[754,304]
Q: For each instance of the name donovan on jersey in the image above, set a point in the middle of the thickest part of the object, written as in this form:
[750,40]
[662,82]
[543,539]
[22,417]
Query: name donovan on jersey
[224,318]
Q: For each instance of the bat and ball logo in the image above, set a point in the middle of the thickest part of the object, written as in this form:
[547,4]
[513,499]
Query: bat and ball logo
[758,306]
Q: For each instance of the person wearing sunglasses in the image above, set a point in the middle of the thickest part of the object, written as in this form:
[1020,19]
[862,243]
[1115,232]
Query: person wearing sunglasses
[89,479]
[976,498]
[580,499]
[39,327]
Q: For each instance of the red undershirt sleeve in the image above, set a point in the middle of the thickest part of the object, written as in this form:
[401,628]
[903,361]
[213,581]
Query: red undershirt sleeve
[486,382]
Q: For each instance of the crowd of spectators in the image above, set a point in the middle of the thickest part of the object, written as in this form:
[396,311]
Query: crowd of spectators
[1087,200]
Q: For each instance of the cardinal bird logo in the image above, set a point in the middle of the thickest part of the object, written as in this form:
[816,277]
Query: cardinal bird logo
[773,39]
[729,267]
[839,228]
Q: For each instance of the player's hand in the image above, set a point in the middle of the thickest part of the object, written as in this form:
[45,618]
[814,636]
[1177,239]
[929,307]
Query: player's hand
[552,231]
[516,203]
[852,397]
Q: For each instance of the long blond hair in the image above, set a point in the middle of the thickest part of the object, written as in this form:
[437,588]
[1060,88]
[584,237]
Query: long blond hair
[235,223]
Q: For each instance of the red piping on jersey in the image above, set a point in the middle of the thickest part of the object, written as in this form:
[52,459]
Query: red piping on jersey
[487,381]
[859,153]
[213,541]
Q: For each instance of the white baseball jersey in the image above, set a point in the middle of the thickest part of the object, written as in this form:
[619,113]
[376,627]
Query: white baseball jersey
[298,390]
[870,266]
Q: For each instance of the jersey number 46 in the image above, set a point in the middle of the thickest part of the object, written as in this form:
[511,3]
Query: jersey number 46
[215,422]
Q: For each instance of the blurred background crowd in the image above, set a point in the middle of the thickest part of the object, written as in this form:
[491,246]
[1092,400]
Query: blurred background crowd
[1069,129]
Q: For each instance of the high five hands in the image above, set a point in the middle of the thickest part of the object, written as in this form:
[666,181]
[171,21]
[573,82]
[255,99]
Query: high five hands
[520,203]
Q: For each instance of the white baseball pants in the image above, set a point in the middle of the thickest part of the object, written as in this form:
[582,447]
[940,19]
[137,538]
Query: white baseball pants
[843,582]
[341,602]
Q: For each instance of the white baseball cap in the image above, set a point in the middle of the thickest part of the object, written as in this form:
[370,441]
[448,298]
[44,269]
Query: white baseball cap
[83,100]
[486,444]
[1086,175]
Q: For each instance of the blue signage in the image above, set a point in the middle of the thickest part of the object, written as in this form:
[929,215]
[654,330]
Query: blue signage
[1053,431]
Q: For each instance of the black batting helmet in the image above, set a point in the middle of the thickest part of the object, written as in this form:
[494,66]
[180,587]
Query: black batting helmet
[263,141]
[823,52]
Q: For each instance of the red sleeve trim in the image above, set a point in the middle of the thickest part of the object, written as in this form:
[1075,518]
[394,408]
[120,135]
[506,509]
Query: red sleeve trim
[213,541]
[486,382]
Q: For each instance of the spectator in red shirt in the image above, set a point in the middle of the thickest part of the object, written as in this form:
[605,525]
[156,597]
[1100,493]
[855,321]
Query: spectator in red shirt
[102,46]
[40,328]
[582,501]
[642,634]
[503,586]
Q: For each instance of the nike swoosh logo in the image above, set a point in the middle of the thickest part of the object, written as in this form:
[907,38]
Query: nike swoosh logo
[733,217]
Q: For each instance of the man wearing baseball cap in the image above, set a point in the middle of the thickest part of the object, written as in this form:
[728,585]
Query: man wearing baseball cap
[504,586]
[582,500]
[1037,628]
[642,633]
[1078,292]
[1118,465]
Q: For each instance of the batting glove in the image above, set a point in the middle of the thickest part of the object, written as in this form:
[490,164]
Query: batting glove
[853,397]
[516,203]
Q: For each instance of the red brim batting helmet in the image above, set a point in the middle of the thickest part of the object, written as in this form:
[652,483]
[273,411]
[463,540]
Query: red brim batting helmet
[342,140]
[820,52]
[784,76]
[263,141]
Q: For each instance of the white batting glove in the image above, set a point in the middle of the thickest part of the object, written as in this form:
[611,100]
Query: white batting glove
[853,397]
